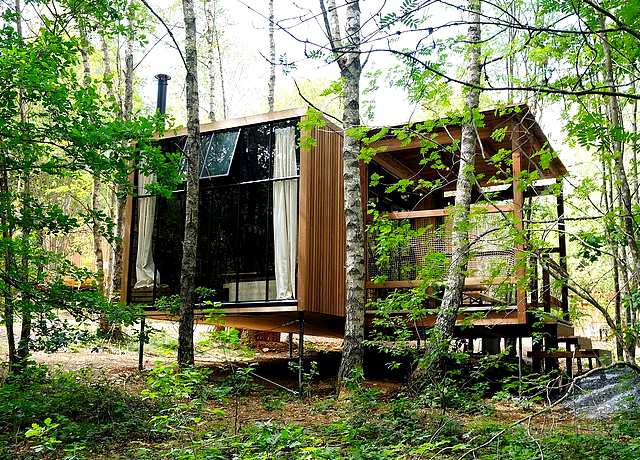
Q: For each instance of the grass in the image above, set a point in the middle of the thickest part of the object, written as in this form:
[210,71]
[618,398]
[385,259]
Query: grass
[172,414]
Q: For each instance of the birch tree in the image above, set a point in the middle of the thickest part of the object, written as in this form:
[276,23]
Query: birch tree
[120,194]
[443,330]
[347,53]
[272,58]
[192,157]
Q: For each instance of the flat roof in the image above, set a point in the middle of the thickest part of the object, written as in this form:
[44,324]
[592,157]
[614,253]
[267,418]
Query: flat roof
[220,125]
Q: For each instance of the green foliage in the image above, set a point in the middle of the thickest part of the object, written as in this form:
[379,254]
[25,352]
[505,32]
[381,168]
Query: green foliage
[43,437]
[518,444]
[308,375]
[313,119]
[170,381]
[54,408]
[57,131]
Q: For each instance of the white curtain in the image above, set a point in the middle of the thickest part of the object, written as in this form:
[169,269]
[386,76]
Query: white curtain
[285,212]
[146,217]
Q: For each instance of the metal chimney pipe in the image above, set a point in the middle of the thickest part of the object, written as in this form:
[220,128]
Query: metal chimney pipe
[161,103]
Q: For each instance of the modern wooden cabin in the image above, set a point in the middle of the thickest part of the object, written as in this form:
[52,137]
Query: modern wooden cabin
[272,229]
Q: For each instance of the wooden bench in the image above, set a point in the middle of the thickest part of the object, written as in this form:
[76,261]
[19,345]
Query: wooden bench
[578,355]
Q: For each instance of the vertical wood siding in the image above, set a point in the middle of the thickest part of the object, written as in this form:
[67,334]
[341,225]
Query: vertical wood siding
[321,239]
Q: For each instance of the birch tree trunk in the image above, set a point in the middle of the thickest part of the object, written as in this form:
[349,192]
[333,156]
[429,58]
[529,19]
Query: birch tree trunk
[97,186]
[120,203]
[216,38]
[452,298]
[608,199]
[192,156]
[626,218]
[347,53]
[210,38]
[272,58]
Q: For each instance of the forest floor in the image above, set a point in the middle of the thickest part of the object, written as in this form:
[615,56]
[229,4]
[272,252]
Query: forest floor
[90,402]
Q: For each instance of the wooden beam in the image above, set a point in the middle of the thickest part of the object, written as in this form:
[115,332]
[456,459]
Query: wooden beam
[562,249]
[564,354]
[489,208]
[394,166]
[304,210]
[440,137]
[491,318]
[518,204]
[474,283]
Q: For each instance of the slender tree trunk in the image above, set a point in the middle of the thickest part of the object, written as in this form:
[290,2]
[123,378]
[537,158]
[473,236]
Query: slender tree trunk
[628,223]
[634,149]
[192,155]
[121,194]
[106,72]
[608,199]
[22,351]
[272,58]
[350,70]
[7,236]
[97,235]
[216,36]
[210,37]
[110,287]
[97,186]
[443,330]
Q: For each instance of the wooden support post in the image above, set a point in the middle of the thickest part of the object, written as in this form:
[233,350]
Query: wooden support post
[550,343]
[546,288]
[141,345]
[562,249]
[569,361]
[510,346]
[536,347]
[517,135]
[300,350]
[520,366]
[533,284]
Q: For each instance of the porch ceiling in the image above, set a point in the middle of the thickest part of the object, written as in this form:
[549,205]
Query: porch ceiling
[404,159]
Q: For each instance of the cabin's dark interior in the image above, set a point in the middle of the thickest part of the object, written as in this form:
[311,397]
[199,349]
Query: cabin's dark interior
[236,228]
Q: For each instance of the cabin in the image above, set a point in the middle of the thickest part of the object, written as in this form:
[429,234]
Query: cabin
[272,230]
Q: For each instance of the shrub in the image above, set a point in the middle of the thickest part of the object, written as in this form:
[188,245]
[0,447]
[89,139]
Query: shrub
[54,407]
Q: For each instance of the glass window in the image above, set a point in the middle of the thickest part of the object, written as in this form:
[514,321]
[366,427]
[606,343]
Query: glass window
[235,254]
[217,153]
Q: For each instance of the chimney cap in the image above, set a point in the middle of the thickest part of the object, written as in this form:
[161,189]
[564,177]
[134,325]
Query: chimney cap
[163,77]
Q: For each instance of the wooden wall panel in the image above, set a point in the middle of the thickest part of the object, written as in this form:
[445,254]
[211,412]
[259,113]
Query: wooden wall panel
[321,238]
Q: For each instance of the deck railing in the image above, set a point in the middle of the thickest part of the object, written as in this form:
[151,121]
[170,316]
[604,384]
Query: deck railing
[492,256]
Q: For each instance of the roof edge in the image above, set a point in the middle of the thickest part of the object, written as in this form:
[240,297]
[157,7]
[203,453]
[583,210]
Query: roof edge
[239,122]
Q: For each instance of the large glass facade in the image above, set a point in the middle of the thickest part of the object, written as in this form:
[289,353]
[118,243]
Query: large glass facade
[236,256]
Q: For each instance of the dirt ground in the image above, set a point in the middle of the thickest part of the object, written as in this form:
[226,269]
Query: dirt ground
[114,358]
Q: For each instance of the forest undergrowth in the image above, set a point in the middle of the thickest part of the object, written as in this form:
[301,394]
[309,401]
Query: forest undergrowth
[225,413]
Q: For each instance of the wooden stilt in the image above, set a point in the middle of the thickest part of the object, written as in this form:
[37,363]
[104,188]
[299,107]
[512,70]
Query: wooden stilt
[536,361]
[550,344]
[569,361]
[519,366]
